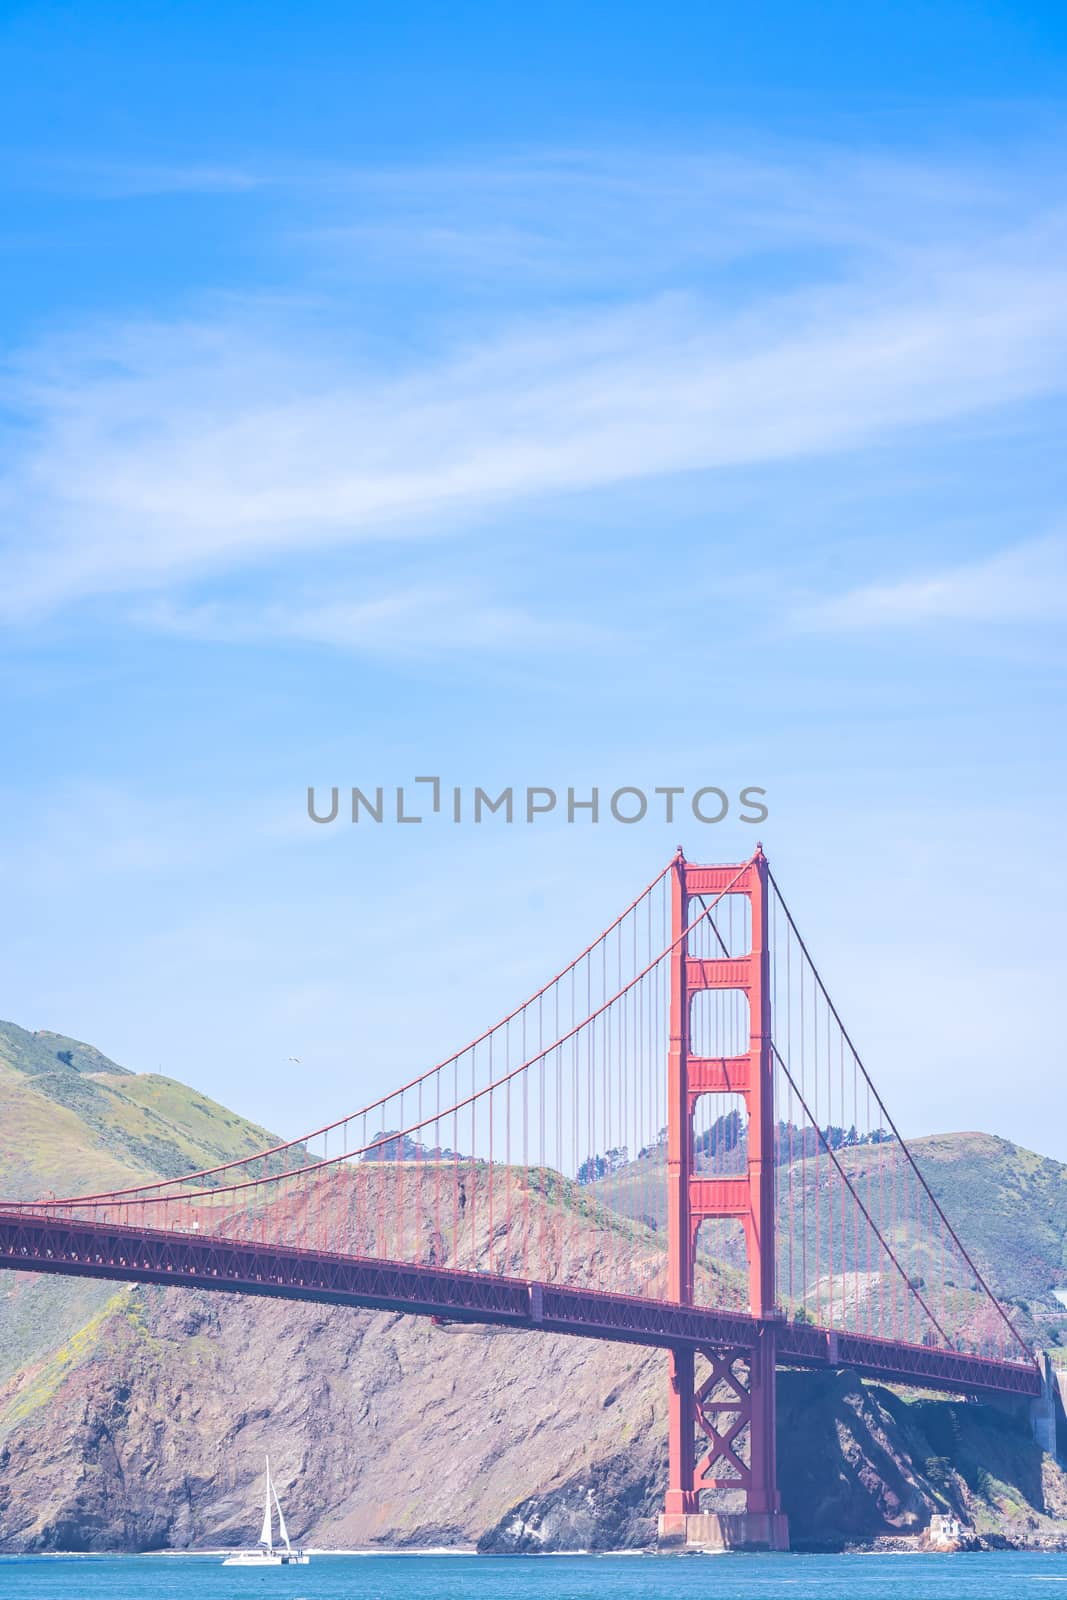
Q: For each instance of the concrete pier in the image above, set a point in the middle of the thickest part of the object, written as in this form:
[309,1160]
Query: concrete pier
[1043,1409]
[713,1530]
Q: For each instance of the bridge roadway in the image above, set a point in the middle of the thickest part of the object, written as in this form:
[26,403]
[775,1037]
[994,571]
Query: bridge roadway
[35,1241]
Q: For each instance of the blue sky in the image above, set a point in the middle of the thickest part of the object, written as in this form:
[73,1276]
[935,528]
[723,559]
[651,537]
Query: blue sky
[543,395]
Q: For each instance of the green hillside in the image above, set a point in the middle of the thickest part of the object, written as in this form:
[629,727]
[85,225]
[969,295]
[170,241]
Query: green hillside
[1007,1205]
[72,1120]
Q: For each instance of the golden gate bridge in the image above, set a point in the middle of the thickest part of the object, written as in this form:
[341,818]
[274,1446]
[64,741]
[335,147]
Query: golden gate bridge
[673,1143]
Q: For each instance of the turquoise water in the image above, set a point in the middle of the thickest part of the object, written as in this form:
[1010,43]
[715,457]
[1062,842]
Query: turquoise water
[1008,1576]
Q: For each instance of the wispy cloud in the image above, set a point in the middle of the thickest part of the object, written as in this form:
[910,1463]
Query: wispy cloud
[407,622]
[147,454]
[134,180]
[603,219]
[1026,584]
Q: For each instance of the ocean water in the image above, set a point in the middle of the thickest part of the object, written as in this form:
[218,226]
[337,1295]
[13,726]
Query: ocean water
[1007,1576]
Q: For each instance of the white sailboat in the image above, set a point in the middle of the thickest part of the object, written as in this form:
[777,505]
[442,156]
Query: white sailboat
[267,1554]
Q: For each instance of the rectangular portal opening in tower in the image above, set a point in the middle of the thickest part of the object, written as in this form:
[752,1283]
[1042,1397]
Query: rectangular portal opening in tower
[719,928]
[720,1136]
[719,1022]
[720,1264]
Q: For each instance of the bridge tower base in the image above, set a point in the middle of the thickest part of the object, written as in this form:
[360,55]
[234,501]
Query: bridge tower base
[724,1530]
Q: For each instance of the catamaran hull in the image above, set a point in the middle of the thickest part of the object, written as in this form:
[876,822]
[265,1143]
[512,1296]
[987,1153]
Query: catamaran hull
[280,1559]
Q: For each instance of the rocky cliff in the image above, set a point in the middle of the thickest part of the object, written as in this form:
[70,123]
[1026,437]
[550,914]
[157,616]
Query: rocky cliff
[136,1418]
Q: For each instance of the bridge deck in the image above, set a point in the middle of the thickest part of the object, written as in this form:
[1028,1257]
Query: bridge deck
[34,1242]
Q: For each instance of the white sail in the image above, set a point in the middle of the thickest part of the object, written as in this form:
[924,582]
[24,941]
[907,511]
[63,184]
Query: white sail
[266,1535]
[267,1554]
[281,1520]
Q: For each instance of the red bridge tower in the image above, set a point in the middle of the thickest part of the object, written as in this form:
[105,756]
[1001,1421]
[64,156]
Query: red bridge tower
[734,1396]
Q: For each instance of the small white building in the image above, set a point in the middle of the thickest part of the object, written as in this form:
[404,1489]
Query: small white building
[944,1529]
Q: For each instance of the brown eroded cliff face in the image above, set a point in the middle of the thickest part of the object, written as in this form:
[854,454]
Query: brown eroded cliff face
[148,1428]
